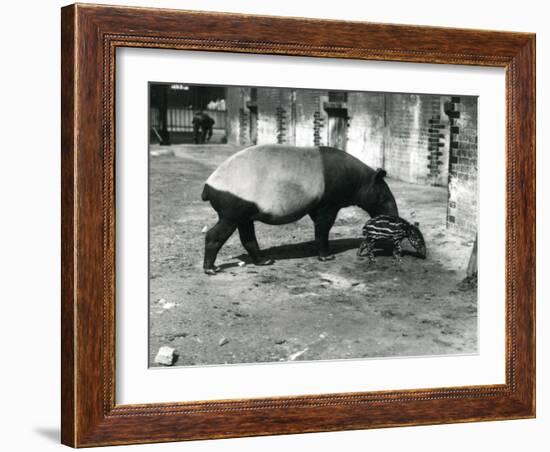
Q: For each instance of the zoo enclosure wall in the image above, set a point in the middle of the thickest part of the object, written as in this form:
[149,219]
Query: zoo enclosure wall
[425,139]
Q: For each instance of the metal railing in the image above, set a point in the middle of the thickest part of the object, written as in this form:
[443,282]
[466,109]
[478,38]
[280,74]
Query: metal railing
[181,119]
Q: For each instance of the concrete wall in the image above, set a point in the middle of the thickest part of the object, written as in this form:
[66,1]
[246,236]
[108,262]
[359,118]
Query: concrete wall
[237,123]
[409,143]
[407,134]
[274,110]
[366,135]
[417,138]
[288,116]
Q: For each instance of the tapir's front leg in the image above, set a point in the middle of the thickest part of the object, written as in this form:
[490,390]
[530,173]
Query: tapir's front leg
[397,251]
[367,244]
[324,220]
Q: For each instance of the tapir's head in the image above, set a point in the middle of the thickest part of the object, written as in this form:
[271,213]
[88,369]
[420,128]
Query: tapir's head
[417,240]
[375,196]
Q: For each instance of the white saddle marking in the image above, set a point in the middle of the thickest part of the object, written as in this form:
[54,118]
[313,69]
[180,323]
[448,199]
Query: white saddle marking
[281,180]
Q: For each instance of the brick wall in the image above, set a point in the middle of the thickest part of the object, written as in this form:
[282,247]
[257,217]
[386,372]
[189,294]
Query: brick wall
[284,116]
[309,118]
[415,141]
[439,145]
[238,115]
[463,186]
[406,134]
[244,126]
[318,128]
[274,108]
[423,139]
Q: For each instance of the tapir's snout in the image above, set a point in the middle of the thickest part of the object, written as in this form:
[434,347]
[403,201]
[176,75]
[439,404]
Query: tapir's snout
[420,247]
[422,252]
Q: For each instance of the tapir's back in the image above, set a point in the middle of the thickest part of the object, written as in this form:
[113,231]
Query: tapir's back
[386,227]
[281,180]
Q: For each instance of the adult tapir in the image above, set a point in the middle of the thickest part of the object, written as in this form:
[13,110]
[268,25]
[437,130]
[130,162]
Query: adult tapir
[278,184]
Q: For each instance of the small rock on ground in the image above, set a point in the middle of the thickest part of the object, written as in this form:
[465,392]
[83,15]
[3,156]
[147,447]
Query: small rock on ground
[165,356]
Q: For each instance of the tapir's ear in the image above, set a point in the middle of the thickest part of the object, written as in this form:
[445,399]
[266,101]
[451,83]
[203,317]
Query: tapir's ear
[416,223]
[380,174]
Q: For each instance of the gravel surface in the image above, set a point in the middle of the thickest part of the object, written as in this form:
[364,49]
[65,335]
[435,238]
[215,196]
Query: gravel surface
[298,308]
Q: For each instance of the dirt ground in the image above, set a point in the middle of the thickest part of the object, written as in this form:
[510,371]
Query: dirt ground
[299,308]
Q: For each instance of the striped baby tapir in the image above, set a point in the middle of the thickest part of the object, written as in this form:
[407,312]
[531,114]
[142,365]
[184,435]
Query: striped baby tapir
[390,229]
[279,184]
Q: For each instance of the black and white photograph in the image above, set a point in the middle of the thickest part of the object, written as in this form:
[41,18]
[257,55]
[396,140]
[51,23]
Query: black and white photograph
[275,226]
[293,224]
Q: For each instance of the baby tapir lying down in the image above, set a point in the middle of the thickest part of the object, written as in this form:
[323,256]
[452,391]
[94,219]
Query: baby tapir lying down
[387,228]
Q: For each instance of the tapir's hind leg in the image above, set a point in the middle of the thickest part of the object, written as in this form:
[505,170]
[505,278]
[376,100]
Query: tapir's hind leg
[248,239]
[215,238]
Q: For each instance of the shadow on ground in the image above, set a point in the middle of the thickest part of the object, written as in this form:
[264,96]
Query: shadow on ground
[304,249]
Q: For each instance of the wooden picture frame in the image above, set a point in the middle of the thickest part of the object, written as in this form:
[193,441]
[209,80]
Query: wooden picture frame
[90,36]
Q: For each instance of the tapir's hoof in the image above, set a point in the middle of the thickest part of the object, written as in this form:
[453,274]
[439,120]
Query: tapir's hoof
[264,261]
[211,271]
[326,258]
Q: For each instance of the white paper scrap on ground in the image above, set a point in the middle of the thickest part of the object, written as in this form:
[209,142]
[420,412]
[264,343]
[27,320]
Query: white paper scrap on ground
[165,356]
